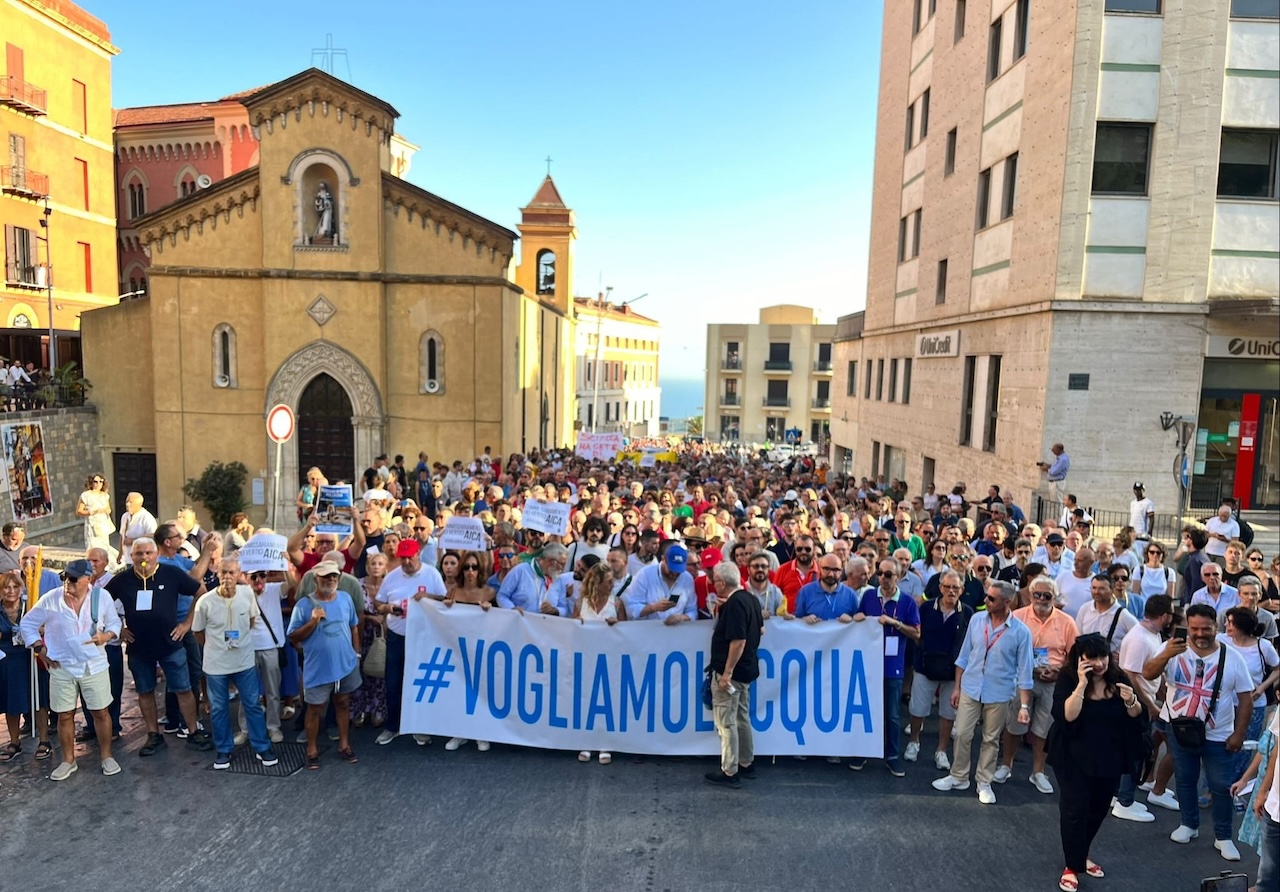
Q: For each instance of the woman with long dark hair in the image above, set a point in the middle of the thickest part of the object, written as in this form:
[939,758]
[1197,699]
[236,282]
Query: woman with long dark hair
[1096,737]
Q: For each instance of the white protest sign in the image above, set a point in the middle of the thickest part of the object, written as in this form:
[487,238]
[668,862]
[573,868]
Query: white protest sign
[463,534]
[263,552]
[598,446]
[545,681]
[546,517]
[649,459]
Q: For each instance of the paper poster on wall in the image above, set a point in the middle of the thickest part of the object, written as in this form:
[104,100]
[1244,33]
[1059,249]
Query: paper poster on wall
[26,471]
[1233,429]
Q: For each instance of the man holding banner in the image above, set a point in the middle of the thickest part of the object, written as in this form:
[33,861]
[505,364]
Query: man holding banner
[734,669]
[531,586]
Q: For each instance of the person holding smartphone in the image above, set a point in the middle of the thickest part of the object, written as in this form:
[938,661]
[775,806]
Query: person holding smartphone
[1095,739]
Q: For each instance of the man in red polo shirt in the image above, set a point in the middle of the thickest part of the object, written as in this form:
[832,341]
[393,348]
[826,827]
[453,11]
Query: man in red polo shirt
[795,574]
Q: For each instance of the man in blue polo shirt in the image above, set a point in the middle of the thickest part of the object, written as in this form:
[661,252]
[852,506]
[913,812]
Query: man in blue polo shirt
[899,619]
[827,598]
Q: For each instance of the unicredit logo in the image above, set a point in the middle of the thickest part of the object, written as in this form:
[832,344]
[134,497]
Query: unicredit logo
[933,346]
[1253,347]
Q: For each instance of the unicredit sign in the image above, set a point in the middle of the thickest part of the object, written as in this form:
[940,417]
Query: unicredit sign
[1225,347]
[938,343]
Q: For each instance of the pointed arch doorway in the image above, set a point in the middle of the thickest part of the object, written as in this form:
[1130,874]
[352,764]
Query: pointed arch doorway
[325,435]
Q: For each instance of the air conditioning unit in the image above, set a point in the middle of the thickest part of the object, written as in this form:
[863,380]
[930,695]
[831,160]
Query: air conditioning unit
[204,181]
[221,381]
[433,386]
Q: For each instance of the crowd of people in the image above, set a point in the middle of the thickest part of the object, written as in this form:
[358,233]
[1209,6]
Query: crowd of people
[1129,666]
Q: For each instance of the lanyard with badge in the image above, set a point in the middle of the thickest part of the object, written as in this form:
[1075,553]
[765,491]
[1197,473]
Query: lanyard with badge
[991,642]
[230,636]
[892,641]
[143,601]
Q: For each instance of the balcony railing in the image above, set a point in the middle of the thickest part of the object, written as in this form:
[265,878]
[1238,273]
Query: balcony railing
[23,181]
[23,96]
[777,365]
[777,402]
[728,399]
[822,365]
[821,402]
[731,365]
[33,277]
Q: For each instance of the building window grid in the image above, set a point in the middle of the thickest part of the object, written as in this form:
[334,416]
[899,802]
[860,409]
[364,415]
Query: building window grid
[994,39]
[949,165]
[993,404]
[1021,23]
[906,381]
[960,14]
[867,382]
[917,223]
[911,126]
[1121,158]
[940,294]
[879,380]
[984,199]
[924,114]
[1248,162]
[966,400]
[893,380]
[851,386]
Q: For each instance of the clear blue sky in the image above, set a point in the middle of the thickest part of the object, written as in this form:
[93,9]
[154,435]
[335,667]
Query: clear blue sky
[718,154]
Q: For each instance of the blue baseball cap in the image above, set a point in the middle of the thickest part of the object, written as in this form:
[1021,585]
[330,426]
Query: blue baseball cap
[676,558]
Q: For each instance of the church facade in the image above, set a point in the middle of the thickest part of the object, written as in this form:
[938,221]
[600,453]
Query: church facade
[389,319]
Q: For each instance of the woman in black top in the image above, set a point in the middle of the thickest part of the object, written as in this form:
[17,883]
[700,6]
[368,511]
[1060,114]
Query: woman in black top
[1096,737]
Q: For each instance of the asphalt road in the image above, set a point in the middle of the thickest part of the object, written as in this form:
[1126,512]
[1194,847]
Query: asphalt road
[517,819]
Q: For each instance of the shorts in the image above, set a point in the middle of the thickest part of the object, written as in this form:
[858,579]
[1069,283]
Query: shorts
[176,677]
[319,695]
[1041,711]
[63,688]
[922,691]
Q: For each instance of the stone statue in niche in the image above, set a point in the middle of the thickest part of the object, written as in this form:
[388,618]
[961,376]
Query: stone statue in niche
[324,211]
[546,273]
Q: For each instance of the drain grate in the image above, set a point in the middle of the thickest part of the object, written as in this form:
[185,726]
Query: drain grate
[293,758]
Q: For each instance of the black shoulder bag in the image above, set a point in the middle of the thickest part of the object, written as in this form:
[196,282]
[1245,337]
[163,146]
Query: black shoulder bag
[1191,731]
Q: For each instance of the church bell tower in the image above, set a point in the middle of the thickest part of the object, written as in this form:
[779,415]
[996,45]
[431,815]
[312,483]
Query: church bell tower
[547,233]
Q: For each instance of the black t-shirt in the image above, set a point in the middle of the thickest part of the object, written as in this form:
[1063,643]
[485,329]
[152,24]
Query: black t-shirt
[739,620]
[370,542]
[152,629]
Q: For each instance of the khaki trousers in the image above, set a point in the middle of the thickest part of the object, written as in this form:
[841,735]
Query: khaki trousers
[733,723]
[994,716]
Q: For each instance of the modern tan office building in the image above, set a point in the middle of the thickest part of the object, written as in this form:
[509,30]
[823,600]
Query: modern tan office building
[769,377]
[1075,239]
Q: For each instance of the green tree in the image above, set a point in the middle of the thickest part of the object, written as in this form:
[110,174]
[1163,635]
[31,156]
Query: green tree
[694,426]
[220,489]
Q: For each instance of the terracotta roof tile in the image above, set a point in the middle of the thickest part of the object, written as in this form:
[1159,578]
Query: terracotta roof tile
[163,114]
[547,196]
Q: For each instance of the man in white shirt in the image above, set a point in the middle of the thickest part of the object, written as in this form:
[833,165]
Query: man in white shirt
[1214,593]
[1142,513]
[223,622]
[268,638]
[1055,556]
[1221,530]
[1076,587]
[622,576]
[1104,615]
[1192,668]
[1139,646]
[76,624]
[135,523]
[411,581]
[664,591]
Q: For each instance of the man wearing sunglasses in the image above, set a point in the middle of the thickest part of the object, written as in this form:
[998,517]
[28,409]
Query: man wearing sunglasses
[1214,593]
[798,572]
[994,666]
[1052,635]
[899,618]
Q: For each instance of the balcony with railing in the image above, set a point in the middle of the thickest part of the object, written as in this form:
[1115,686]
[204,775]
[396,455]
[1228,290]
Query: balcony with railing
[821,402]
[731,364]
[729,399]
[32,277]
[25,97]
[822,365]
[778,365]
[23,182]
[777,402]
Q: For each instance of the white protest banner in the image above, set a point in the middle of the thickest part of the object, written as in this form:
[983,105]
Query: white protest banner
[334,510]
[635,687]
[463,534]
[547,517]
[599,446]
[264,552]
[649,459]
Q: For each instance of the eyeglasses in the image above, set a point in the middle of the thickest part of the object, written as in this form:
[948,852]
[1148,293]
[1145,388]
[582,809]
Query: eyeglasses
[506,555]
[1255,557]
[962,558]
[880,540]
[470,568]
[798,550]
[846,538]
[98,480]
[981,569]
[1042,596]
[951,588]
[1155,551]
[1210,575]
[888,574]
[1118,578]
[991,599]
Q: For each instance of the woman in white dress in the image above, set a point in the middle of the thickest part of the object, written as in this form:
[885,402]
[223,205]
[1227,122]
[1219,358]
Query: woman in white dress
[599,604]
[95,507]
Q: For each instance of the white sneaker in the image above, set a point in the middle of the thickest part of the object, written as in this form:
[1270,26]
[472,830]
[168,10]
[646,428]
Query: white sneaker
[482,746]
[454,743]
[941,762]
[950,783]
[1132,813]
[1041,783]
[912,751]
[1184,834]
[110,767]
[276,736]
[1147,787]
[1227,849]
[64,771]
[1164,800]
[606,758]
[834,760]
[584,756]
[986,795]
[1003,773]
[421,739]
[386,737]
[240,738]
